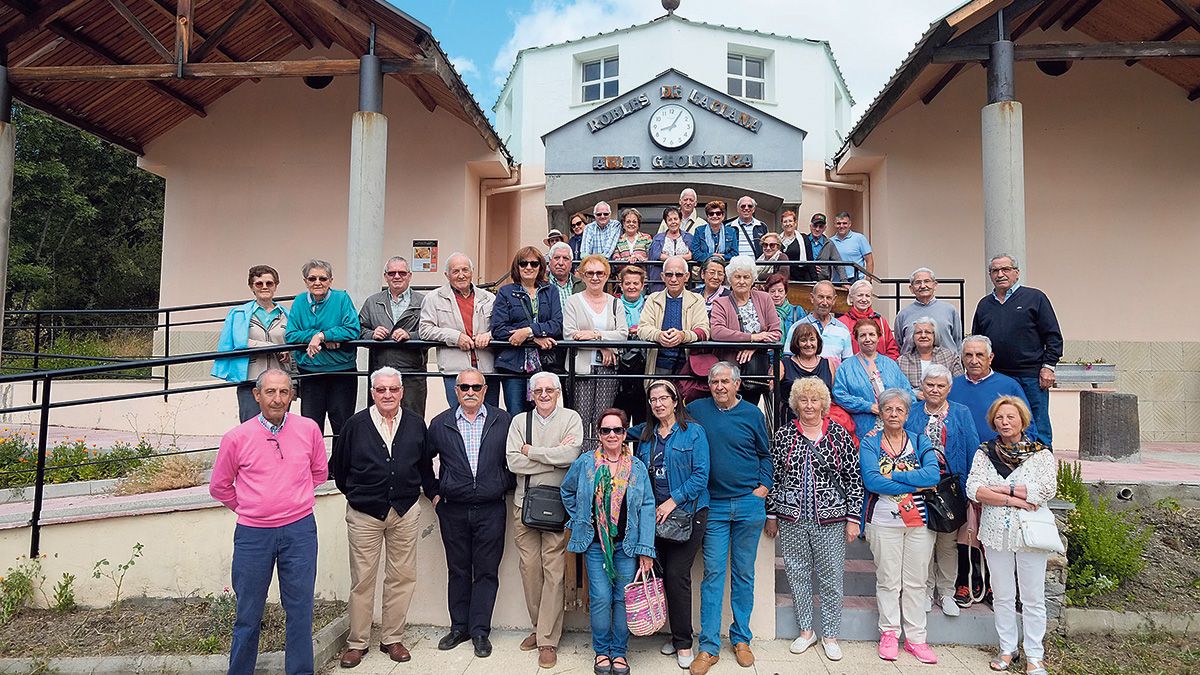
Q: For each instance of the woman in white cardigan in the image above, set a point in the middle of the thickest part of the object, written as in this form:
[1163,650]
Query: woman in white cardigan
[1008,474]
[594,315]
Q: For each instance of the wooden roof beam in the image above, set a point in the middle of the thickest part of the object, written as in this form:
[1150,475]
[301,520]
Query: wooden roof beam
[219,34]
[419,91]
[308,18]
[1053,17]
[141,30]
[76,121]
[1185,12]
[1078,15]
[473,115]
[1076,52]
[1174,31]
[168,11]
[402,68]
[937,88]
[295,25]
[360,26]
[1034,16]
[38,19]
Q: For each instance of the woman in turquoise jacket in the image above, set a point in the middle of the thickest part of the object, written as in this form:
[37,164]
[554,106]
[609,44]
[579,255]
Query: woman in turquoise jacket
[324,319]
[863,377]
[258,323]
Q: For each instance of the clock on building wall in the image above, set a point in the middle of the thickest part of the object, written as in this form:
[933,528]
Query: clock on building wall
[672,126]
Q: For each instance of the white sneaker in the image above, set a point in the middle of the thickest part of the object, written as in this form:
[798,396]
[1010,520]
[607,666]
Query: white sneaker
[833,651]
[801,644]
[949,607]
[928,604]
[685,662]
[667,649]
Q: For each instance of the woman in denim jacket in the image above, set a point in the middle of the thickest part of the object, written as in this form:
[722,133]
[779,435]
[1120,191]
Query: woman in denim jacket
[610,509]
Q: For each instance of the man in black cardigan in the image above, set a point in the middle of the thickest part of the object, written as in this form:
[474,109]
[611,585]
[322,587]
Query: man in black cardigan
[470,441]
[380,462]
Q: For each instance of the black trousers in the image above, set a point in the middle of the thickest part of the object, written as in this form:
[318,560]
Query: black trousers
[328,394]
[473,535]
[676,558]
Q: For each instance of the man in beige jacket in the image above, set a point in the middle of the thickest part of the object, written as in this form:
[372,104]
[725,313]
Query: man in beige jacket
[671,317]
[459,315]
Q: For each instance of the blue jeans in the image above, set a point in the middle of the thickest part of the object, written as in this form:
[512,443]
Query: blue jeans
[730,542]
[256,552]
[492,396]
[610,635]
[1039,406]
[516,390]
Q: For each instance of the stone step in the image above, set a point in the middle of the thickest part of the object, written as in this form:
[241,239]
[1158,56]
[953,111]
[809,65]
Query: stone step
[860,621]
[859,578]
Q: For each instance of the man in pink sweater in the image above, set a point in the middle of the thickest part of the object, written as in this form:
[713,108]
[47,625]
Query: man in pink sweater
[265,472]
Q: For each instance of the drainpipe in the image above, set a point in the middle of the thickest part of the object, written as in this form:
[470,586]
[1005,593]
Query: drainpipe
[486,187]
[863,186]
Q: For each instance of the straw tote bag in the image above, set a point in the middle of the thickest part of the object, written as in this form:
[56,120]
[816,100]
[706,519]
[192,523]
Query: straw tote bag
[645,604]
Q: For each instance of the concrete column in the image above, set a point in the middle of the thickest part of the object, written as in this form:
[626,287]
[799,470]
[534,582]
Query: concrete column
[8,138]
[1003,161]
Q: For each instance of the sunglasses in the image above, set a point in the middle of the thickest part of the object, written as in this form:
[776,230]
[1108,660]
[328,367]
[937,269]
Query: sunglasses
[610,431]
[470,387]
[312,279]
[396,273]
[746,206]
[715,213]
[577,224]
[264,284]
[384,390]
[770,245]
[601,213]
[275,441]
[674,274]
[530,263]
[594,273]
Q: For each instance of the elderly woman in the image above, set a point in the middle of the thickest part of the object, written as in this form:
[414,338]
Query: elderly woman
[777,287]
[673,241]
[258,323]
[796,247]
[896,464]
[633,245]
[610,509]
[806,361]
[772,251]
[923,350]
[675,450]
[860,297]
[632,361]
[324,318]
[950,429]
[863,377]
[594,315]
[815,506]
[712,283]
[1008,473]
[578,221]
[745,315]
[527,316]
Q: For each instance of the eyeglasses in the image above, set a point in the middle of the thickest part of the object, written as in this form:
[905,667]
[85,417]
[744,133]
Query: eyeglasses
[530,263]
[397,273]
[664,399]
[745,206]
[610,431]
[264,284]
[275,441]
[545,391]
[312,279]
[674,274]
[470,387]
[577,223]
[1002,270]
[714,213]
[601,213]
[594,273]
[383,390]
[770,245]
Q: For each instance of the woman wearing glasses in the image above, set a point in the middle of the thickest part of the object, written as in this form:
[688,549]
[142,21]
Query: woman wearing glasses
[527,316]
[718,240]
[258,323]
[578,222]
[324,318]
[673,241]
[634,245]
[594,315]
[610,508]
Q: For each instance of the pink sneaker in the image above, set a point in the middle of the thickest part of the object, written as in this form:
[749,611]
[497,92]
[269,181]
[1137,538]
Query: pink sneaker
[921,650]
[889,646]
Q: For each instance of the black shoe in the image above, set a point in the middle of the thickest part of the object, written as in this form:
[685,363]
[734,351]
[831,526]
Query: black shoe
[453,639]
[483,646]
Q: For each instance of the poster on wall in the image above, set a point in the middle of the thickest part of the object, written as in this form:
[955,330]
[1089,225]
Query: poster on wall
[425,255]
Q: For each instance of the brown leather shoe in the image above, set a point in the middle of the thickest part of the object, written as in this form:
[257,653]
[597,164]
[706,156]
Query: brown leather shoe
[351,657]
[703,662]
[396,652]
[547,656]
[530,643]
[745,657]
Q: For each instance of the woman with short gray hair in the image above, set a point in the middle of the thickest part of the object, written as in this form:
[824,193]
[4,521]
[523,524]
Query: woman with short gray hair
[921,350]
[746,315]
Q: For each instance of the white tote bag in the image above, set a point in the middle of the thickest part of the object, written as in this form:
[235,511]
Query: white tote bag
[1039,531]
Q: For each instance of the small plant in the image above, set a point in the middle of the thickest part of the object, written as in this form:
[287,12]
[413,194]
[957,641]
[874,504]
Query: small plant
[17,587]
[1169,504]
[223,608]
[166,473]
[104,569]
[64,594]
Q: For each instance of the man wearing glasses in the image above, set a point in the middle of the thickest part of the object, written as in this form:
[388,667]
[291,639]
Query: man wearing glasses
[749,229]
[600,237]
[380,462]
[718,239]
[265,472]
[1025,336]
[672,317]
[391,316]
[470,440]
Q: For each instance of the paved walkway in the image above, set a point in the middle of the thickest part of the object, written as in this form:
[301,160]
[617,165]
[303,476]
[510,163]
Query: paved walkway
[1169,463]
[575,656]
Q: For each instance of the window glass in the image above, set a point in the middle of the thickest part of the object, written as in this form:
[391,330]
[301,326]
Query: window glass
[754,90]
[610,88]
[754,68]
[747,77]
[591,71]
[591,92]
[735,87]
[610,67]
[735,64]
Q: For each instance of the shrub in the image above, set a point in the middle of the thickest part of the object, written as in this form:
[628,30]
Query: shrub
[17,587]
[162,473]
[18,456]
[64,594]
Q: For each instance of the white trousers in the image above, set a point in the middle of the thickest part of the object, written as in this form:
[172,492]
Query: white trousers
[1027,569]
[901,570]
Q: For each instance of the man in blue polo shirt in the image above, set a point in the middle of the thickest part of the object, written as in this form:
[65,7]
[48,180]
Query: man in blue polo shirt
[852,246]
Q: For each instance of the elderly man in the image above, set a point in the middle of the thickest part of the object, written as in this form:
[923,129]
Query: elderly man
[852,247]
[458,315]
[749,229]
[690,217]
[835,338]
[979,386]
[381,462]
[1022,325]
[559,264]
[600,237]
[469,439]
[923,284]
[818,247]
[391,316]
[672,317]
[542,444]
[266,470]
[740,477]
[772,251]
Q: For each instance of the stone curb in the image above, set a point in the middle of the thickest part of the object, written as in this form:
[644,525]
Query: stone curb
[1078,621]
[327,643]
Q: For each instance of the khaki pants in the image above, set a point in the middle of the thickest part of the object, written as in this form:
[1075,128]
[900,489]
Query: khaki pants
[901,570]
[943,566]
[368,537]
[543,561]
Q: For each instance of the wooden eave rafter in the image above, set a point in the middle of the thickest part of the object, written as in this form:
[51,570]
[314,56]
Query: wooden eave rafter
[76,121]
[1185,12]
[219,34]
[140,29]
[37,20]
[1172,32]
[295,25]
[360,26]
[403,68]
[168,11]
[1077,15]
[1053,17]
[1075,52]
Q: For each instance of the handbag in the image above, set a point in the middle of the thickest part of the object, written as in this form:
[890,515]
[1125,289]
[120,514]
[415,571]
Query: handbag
[677,527]
[945,503]
[645,604]
[552,360]
[542,507]
[1039,531]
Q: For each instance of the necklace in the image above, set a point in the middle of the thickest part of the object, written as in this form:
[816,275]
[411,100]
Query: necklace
[891,445]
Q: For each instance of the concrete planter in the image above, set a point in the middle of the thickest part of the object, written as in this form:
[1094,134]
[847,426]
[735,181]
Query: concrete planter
[1093,374]
[1080,621]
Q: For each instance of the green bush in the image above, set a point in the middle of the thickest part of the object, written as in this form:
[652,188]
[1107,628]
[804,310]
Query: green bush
[18,452]
[124,344]
[1104,547]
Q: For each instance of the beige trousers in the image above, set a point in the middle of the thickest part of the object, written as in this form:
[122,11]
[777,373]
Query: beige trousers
[543,562]
[943,566]
[368,539]
[901,569]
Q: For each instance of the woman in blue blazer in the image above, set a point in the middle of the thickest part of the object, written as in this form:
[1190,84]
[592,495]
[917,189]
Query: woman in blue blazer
[527,315]
[863,377]
[258,323]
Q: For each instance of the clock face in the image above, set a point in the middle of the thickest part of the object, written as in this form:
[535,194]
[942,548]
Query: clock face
[672,126]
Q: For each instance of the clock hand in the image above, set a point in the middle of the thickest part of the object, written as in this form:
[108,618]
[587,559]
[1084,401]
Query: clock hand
[674,121]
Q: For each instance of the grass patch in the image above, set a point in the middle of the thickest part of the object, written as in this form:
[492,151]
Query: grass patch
[162,473]
[1148,653]
[121,344]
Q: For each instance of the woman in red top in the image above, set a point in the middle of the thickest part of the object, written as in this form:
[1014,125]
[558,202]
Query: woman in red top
[859,297]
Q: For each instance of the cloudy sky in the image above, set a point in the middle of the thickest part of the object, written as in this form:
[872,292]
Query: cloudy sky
[869,37]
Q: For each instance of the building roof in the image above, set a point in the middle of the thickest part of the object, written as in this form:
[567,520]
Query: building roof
[45,36]
[673,16]
[918,79]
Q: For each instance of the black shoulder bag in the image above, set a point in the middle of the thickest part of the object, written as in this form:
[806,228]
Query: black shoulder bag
[542,508]
[945,503]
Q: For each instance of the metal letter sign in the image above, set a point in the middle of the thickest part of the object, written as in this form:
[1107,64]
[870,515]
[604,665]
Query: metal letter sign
[671,91]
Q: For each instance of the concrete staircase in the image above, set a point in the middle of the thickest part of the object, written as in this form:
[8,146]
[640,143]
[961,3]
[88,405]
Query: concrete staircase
[860,620]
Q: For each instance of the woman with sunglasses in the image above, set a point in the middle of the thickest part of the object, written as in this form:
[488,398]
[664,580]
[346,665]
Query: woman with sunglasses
[675,451]
[528,317]
[258,323]
[610,508]
[594,315]
[578,221]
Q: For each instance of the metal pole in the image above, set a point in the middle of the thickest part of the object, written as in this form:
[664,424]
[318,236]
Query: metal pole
[166,352]
[7,160]
[37,347]
[39,486]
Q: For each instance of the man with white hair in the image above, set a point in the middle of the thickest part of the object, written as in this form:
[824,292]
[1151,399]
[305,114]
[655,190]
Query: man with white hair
[558,261]
[923,283]
[672,317]
[835,338]
[979,386]
[691,218]
[749,229]
[600,237]
[542,444]
[390,316]
[459,316]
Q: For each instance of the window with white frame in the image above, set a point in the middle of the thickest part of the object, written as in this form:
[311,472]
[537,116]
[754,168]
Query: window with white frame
[747,77]
[599,79]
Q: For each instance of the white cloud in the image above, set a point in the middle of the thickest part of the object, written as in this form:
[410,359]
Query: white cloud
[464,66]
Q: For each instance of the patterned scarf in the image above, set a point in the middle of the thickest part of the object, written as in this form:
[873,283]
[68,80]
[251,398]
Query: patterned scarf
[609,494]
[1007,457]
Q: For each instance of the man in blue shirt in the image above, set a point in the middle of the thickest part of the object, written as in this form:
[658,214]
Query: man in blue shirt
[600,237]
[852,246]
[749,229]
[979,386]
[835,338]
